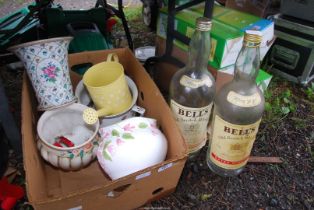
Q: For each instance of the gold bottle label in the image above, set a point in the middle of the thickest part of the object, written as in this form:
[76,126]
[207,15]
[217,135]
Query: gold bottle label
[212,49]
[195,83]
[231,144]
[192,123]
[244,101]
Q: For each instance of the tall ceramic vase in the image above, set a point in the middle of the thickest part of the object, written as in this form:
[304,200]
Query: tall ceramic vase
[46,63]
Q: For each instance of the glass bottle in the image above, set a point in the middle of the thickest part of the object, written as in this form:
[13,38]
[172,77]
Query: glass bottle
[239,107]
[192,90]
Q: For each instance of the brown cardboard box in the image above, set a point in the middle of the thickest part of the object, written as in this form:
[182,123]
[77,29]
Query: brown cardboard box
[90,188]
[164,71]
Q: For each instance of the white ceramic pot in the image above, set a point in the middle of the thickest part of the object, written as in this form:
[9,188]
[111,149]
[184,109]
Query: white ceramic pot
[131,145]
[67,122]
[84,98]
[46,63]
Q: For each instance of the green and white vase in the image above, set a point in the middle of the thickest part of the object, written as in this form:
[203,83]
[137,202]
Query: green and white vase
[46,63]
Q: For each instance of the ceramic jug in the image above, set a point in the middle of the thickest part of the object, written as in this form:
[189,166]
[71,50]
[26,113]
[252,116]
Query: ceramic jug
[46,63]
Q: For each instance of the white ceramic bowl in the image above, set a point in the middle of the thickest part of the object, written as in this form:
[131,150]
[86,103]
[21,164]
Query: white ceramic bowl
[131,145]
[84,98]
[68,122]
[82,94]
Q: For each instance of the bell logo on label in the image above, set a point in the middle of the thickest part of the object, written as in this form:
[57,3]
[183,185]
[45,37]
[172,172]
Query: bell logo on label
[189,113]
[234,131]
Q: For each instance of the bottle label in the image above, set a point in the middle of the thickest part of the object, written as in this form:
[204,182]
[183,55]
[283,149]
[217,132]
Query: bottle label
[231,144]
[244,101]
[192,123]
[212,49]
[195,83]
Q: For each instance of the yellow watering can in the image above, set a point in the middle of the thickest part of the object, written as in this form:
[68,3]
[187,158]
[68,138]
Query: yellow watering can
[108,88]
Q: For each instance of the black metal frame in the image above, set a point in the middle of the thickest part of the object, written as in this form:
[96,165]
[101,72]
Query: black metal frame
[120,14]
[172,34]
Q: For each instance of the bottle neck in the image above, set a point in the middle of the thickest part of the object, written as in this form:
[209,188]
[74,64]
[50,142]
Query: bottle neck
[199,50]
[248,63]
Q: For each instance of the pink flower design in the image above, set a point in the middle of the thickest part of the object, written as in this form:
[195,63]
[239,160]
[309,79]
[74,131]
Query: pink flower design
[111,149]
[128,127]
[120,142]
[88,147]
[154,129]
[155,132]
[75,152]
[153,125]
[50,72]
[104,134]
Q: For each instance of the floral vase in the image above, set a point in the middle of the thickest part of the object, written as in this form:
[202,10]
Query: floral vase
[46,63]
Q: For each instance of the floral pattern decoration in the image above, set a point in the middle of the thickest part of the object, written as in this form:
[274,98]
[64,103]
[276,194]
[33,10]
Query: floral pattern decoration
[88,148]
[50,72]
[125,134]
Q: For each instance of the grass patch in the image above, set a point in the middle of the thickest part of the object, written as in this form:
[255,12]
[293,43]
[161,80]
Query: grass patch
[309,91]
[131,13]
[279,101]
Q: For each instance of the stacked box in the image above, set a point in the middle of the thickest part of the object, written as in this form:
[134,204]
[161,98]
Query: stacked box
[226,41]
[227,31]
[243,21]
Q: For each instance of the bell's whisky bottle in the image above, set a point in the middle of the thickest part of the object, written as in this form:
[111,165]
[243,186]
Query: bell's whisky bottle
[239,106]
[192,89]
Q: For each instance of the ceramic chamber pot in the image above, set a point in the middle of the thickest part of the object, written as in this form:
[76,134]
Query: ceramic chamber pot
[67,122]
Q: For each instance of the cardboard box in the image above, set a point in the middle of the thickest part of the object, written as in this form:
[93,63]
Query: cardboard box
[243,21]
[90,188]
[226,41]
[226,33]
[164,71]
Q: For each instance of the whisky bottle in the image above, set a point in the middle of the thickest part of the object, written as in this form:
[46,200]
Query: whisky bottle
[192,90]
[238,109]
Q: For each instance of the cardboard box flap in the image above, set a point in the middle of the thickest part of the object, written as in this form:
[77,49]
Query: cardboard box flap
[32,159]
